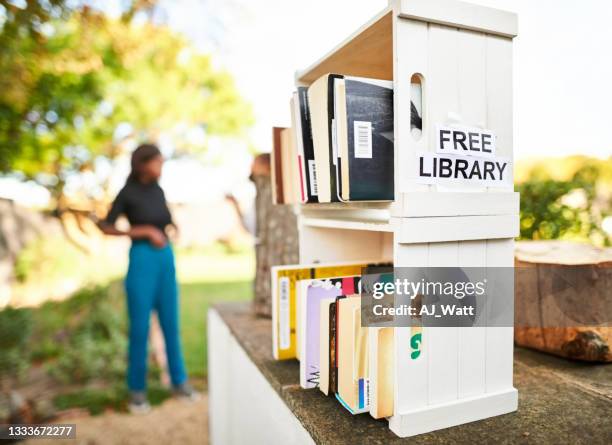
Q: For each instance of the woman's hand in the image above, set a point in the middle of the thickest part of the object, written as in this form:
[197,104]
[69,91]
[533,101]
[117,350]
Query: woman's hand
[151,233]
[156,237]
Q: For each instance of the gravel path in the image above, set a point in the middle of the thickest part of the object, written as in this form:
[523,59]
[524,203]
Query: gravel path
[175,421]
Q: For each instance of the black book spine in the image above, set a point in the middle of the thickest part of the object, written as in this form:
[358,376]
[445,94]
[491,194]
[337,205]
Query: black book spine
[333,386]
[311,188]
[332,158]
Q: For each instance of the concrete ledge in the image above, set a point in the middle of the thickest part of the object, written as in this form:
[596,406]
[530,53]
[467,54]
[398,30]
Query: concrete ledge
[559,401]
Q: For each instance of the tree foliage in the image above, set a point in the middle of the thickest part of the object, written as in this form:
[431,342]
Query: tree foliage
[566,199]
[70,78]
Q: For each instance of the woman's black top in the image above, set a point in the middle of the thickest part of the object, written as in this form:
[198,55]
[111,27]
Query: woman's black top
[141,204]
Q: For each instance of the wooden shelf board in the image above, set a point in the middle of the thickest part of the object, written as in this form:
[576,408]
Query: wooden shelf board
[373,43]
[347,205]
[348,224]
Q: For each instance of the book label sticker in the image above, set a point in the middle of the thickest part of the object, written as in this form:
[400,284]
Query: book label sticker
[364,393]
[284,324]
[363,139]
[312,173]
[465,141]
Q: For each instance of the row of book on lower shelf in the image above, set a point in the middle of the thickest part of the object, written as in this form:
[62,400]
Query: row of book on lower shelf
[340,146]
[316,318]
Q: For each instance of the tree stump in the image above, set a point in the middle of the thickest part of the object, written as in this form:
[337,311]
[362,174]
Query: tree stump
[276,237]
[563,300]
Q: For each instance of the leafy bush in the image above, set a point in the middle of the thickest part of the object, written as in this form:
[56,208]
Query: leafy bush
[571,208]
[15,329]
[95,345]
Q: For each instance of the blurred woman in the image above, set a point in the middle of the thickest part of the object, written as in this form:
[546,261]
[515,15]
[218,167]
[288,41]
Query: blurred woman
[151,279]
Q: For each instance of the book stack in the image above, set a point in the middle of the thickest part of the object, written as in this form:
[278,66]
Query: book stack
[316,318]
[340,145]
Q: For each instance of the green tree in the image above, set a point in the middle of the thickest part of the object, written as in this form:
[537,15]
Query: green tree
[68,79]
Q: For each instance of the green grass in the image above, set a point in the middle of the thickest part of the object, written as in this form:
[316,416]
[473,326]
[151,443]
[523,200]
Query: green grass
[196,298]
[97,400]
[66,334]
[208,276]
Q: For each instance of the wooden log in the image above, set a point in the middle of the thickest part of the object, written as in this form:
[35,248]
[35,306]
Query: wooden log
[563,300]
[276,236]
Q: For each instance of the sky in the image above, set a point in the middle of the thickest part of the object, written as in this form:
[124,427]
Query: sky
[562,63]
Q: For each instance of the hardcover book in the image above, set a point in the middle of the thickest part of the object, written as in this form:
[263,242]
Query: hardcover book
[321,104]
[365,139]
[284,280]
[315,292]
[381,371]
[305,145]
[298,145]
[352,357]
[311,294]
[276,174]
[324,344]
[333,365]
[292,192]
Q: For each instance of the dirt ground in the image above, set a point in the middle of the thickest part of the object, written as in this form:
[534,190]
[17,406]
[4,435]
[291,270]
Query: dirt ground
[175,421]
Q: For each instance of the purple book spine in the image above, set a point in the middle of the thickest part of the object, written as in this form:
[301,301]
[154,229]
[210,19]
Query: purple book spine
[316,293]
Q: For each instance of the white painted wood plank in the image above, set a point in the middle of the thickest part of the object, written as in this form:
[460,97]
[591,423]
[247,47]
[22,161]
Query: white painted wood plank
[410,374]
[472,71]
[410,57]
[461,15]
[442,342]
[499,94]
[236,387]
[322,244]
[422,204]
[472,341]
[218,379]
[471,67]
[349,224]
[442,81]
[500,340]
[454,413]
[419,230]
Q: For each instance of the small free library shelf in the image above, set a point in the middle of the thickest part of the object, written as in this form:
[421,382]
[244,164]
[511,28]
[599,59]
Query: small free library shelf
[462,54]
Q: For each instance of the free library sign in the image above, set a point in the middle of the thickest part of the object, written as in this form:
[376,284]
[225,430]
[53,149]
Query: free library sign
[464,154]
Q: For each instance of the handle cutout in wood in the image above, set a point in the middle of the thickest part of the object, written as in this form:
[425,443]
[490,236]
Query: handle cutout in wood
[416,106]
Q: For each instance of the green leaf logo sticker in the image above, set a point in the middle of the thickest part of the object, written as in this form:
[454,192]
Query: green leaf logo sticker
[415,344]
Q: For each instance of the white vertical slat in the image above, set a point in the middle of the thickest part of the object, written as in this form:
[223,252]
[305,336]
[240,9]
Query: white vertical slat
[442,99]
[443,80]
[471,68]
[411,57]
[500,253]
[411,375]
[499,94]
[472,341]
[500,340]
[472,71]
[442,342]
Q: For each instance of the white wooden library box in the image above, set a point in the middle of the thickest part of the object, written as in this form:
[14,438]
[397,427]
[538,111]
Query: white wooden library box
[462,55]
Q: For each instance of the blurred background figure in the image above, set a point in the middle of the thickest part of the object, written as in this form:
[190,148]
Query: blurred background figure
[151,279]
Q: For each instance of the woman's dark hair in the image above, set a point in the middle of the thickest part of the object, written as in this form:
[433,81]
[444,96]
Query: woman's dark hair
[143,154]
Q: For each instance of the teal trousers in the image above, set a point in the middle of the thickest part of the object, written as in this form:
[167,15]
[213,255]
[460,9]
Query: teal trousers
[151,285]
